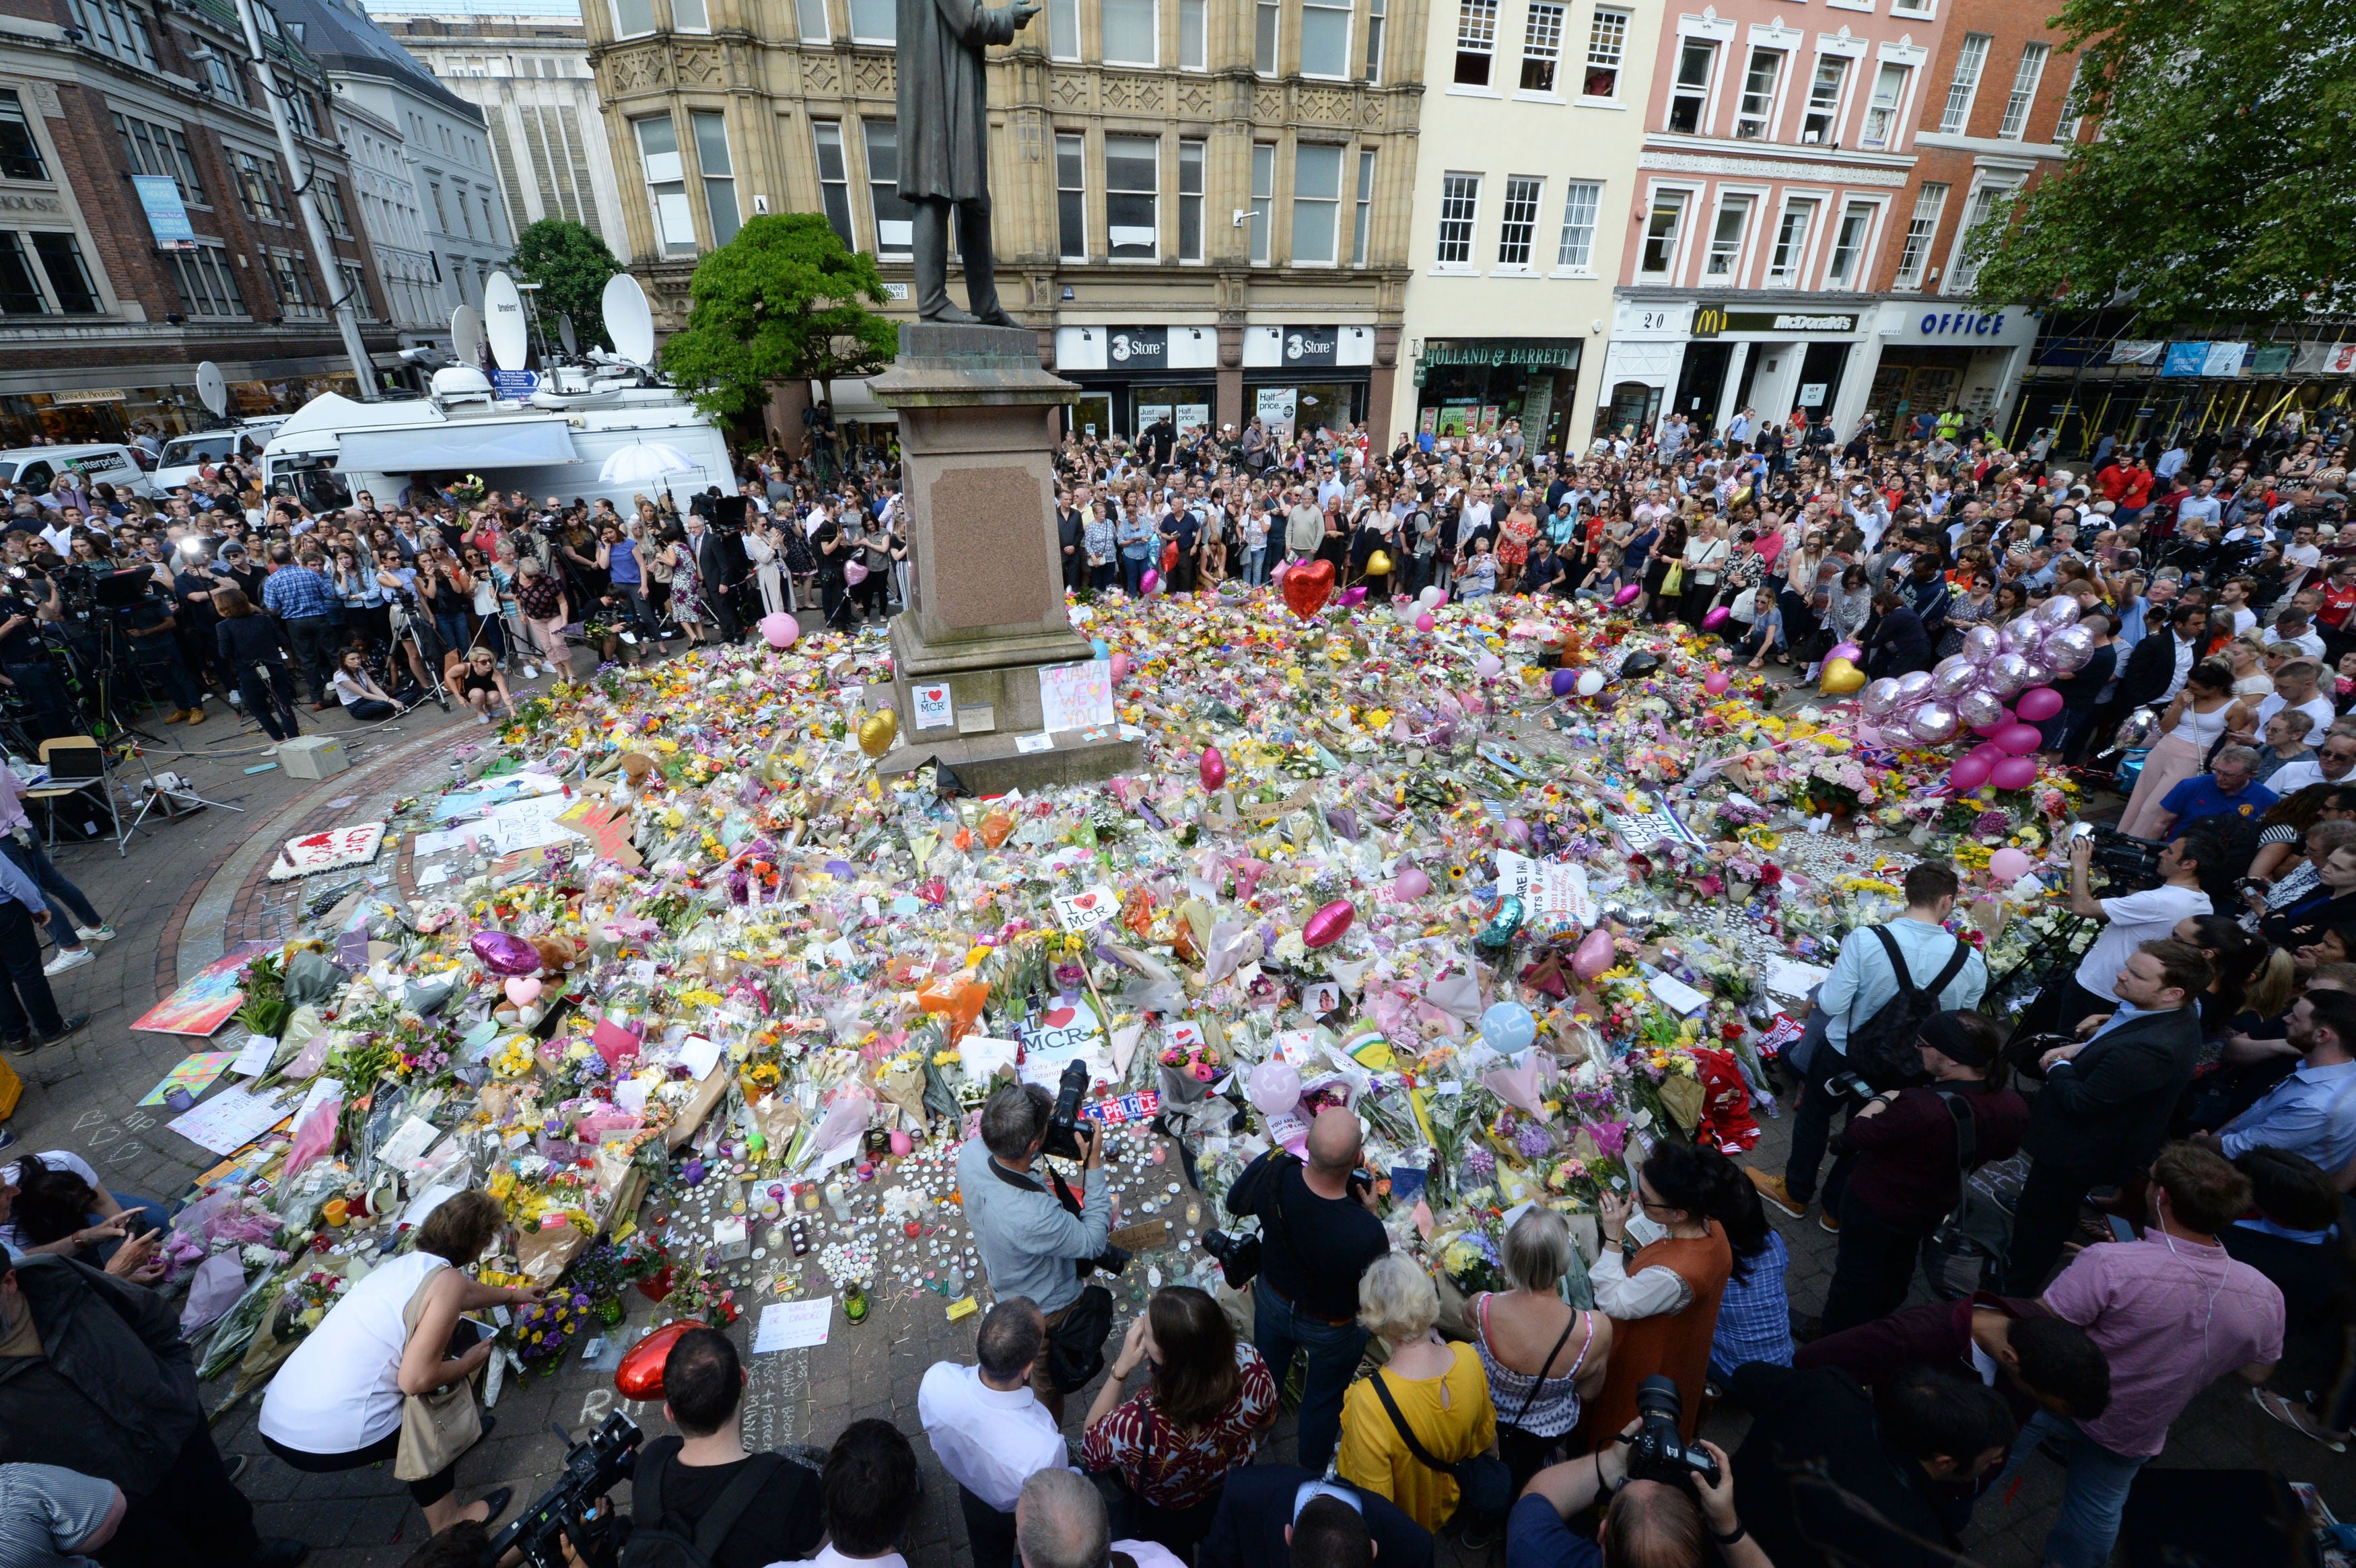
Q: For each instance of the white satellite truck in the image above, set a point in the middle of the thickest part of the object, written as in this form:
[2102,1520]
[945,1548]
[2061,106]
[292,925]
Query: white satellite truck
[601,424]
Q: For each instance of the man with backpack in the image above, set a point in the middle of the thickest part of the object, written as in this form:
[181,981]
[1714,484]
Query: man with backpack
[699,1499]
[1913,1148]
[1866,1018]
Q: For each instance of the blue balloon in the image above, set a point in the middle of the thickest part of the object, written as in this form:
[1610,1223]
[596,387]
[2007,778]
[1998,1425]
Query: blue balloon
[1508,1027]
[1103,649]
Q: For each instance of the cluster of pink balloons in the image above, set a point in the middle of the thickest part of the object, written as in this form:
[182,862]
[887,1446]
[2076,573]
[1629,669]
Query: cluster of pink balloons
[1969,690]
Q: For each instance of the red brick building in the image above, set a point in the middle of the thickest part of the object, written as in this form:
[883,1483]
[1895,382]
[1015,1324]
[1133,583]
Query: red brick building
[116,117]
[1992,119]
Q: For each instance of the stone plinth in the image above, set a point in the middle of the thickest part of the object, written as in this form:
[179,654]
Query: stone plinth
[985,606]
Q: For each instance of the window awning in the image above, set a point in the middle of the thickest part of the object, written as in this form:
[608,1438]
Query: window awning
[458,446]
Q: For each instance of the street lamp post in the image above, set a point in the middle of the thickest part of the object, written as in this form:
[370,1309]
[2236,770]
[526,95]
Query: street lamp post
[322,246]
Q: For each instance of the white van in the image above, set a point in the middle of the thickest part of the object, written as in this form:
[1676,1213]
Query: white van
[98,464]
[182,453]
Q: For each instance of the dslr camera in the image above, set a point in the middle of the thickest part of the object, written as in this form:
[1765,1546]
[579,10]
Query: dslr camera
[591,1468]
[1063,1139]
[1657,1451]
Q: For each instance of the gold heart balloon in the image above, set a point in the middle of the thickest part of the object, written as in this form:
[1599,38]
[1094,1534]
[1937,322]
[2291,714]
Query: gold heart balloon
[1378,563]
[1840,678]
[878,731]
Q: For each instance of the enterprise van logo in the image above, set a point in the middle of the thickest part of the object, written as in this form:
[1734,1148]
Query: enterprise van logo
[1301,345]
[1814,323]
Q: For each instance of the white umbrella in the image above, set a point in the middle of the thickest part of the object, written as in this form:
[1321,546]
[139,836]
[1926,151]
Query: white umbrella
[642,462]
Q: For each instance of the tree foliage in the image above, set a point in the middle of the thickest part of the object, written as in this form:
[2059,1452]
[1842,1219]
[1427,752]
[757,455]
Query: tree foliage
[571,265]
[784,301]
[2210,190]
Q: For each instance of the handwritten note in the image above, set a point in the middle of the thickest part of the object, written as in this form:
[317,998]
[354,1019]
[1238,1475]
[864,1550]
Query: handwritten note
[794,1325]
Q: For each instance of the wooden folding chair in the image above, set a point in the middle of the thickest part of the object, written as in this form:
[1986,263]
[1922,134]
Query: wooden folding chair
[78,765]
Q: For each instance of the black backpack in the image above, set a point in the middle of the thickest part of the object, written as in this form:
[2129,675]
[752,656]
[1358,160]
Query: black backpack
[660,1540]
[1883,1048]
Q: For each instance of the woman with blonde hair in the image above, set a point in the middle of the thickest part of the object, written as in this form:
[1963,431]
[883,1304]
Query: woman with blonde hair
[1438,1396]
[1542,1355]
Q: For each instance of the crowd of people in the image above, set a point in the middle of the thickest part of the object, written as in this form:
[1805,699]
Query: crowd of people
[366,603]
[2132,1190]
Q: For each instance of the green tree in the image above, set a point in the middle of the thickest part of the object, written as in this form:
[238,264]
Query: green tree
[571,265]
[2206,194]
[784,301]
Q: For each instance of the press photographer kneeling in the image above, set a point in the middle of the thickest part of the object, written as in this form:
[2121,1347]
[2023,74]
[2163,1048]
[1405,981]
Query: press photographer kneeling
[1033,1236]
[1665,1501]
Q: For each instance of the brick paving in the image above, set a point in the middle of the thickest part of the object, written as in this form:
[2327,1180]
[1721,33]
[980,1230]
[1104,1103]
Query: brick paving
[198,884]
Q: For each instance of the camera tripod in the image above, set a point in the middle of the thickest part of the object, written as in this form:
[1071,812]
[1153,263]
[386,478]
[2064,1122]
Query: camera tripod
[180,794]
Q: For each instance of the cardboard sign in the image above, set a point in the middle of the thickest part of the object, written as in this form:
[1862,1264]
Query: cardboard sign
[328,851]
[1076,695]
[934,710]
[1554,895]
[1087,908]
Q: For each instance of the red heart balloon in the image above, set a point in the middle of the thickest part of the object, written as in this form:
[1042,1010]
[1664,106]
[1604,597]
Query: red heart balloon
[1306,587]
[641,1374]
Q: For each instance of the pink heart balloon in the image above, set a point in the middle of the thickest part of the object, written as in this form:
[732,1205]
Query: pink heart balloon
[1594,954]
[1120,667]
[523,990]
[1212,769]
[1325,927]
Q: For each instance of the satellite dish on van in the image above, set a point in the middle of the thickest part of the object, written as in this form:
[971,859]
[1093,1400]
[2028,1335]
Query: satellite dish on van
[212,389]
[565,334]
[627,319]
[503,322]
[467,335]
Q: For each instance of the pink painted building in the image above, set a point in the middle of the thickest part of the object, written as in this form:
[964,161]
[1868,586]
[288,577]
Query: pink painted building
[1779,142]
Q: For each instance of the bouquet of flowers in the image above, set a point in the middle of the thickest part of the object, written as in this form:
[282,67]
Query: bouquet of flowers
[606,1268]
[303,1305]
[542,1331]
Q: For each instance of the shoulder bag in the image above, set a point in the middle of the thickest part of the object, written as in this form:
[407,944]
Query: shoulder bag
[1967,1252]
[1484,1486]
[436,1427]
[1074,1345]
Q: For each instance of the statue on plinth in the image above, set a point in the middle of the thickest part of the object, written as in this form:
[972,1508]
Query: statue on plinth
[945,146]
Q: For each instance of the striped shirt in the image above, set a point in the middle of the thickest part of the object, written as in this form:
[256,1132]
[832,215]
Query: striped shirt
[46,1512]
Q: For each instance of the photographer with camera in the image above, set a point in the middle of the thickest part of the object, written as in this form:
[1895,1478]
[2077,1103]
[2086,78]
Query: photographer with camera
[1659,1499]
[1829,1474]
[1908,1175]
[2131,921]
[1317,1236]
[1033,1239]
[32,602]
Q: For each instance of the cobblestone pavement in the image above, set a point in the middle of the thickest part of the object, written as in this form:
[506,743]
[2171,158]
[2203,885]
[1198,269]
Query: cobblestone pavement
[195,885]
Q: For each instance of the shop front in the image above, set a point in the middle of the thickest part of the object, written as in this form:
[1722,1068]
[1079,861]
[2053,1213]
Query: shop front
[1131,376]
[1708,361]
[119,413]
[1471,385]
[1300,378]
[1933,358]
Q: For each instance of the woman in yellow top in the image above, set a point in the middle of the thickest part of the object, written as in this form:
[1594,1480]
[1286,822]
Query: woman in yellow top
[1439,1389]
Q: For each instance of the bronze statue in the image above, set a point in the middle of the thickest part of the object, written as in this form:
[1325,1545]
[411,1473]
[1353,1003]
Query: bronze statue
[945,146]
